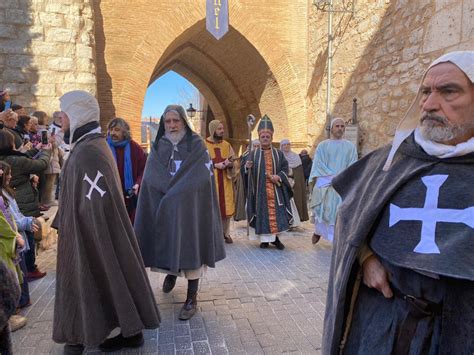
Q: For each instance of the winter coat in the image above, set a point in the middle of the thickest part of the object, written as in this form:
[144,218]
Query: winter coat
[22,167]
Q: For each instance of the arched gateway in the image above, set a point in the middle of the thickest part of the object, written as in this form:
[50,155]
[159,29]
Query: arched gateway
[258,67]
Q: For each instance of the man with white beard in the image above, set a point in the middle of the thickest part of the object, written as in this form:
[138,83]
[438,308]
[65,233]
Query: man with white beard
[402,273]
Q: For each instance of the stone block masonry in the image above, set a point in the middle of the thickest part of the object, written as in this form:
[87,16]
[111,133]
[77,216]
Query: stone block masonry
[43,43]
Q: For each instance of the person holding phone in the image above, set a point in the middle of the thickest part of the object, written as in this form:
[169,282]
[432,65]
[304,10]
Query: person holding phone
[51,174]
[25,194]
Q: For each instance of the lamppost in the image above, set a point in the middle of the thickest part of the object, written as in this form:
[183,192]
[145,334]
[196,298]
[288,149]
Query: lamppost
[345,6]
[192,113]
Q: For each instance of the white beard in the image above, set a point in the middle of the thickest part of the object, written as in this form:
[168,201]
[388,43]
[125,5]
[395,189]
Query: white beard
[175,137]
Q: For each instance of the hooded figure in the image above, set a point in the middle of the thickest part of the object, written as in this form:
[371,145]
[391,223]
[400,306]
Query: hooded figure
[295,165]
[222,156]
[101,282]
[402,271]
[178,224]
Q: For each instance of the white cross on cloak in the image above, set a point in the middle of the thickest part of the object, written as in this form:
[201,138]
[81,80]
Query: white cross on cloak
[209,165]
[430,215]
[93,185]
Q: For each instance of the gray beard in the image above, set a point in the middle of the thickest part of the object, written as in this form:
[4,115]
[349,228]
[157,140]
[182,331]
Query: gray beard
[432,131]
[175,137]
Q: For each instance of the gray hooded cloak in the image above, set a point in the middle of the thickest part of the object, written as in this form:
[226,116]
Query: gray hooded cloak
[360,219]
[178,223]
[101,282]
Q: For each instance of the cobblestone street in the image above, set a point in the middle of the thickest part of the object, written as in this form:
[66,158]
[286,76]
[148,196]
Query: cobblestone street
[257,301]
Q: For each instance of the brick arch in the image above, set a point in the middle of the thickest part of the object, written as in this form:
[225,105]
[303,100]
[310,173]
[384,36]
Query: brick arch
[247,71]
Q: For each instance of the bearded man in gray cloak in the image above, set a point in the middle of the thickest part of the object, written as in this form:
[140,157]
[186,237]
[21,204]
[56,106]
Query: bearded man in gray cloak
[101,283]
[178,223]
[402,273]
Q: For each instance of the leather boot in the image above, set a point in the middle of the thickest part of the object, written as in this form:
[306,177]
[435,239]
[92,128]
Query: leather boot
[169,283]
[189,308]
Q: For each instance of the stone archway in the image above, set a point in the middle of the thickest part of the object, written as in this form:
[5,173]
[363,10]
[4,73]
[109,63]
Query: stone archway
[234,82]
[255,68]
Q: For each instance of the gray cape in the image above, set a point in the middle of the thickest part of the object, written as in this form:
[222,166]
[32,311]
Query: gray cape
[101,283]
[178,223]
[357,218]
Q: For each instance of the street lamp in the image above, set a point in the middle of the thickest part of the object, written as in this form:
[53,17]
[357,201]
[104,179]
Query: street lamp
[191,111]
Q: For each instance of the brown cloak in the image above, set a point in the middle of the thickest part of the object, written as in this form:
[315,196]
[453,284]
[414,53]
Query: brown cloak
[299,193]
[101,279]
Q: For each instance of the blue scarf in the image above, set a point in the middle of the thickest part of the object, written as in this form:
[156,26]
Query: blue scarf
[127,164]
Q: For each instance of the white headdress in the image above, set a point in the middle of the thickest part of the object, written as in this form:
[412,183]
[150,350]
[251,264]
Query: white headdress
[464,60]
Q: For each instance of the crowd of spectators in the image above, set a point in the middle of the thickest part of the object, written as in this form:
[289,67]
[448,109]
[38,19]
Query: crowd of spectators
[32,151]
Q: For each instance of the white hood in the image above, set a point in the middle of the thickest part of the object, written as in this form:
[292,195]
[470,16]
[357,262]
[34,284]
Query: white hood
[464,60]
[81,108]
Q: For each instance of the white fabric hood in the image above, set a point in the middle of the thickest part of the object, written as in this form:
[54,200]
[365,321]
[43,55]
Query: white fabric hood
[464,60]
[81,108]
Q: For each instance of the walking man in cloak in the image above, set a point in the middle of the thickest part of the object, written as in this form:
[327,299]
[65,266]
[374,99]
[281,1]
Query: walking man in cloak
[222,156]
[101,283]
[332,156]
[178,223]
[131,160]
[402,274]
[241,184]
[268,205]
[297,173]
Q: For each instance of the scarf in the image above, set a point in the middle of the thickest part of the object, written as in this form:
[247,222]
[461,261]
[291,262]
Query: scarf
[293,159]
[442,150]
[127,160]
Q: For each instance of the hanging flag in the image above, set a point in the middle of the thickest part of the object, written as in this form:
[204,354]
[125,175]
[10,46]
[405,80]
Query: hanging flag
[217,17]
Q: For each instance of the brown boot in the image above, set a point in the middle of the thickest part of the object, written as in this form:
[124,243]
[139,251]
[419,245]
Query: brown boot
[189,308]
[228,239]
[315,238]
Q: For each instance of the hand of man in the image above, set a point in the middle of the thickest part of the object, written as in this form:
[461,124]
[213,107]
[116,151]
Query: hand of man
[135,189]
[35,225]
[249,164]
[46,146]
[275,179]
[228,163]
[375,276]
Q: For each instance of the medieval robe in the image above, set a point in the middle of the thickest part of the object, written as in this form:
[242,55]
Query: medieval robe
[268,206]
[331,157]
[219,152]
[178,223]
[417,218]
[240,191]
[101,283]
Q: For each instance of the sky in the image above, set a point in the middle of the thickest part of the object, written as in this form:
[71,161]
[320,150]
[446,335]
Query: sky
[170,88]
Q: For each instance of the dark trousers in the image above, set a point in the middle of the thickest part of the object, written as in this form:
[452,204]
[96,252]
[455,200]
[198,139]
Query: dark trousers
[25,290]
[30,255]
[5,341]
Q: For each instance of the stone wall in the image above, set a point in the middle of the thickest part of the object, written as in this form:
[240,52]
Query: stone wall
[46,49]
[380,54]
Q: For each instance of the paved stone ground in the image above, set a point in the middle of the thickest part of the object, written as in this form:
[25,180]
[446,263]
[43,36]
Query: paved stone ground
[256,301]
